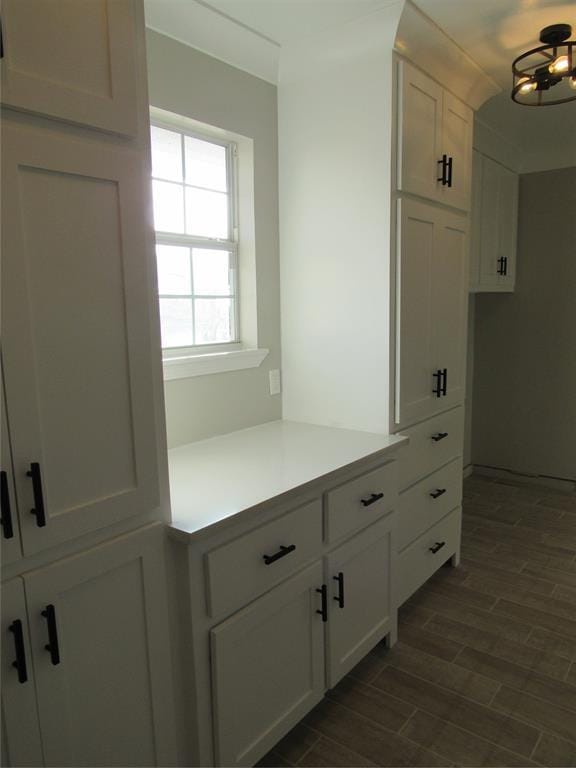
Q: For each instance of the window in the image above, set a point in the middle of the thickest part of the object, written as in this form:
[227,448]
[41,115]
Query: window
[193,187]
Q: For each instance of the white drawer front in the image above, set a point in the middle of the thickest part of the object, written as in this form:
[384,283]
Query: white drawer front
[423,557]
[422,505]
[433,443]
[360,502]
[253,563]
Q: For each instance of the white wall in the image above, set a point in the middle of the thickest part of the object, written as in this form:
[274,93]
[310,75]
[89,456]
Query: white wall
[335,106]
[184,81]
[525,342]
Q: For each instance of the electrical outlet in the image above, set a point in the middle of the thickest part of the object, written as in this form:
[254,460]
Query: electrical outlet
[275,386]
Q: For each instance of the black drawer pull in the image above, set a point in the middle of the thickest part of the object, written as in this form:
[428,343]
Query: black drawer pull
[437,547]
[450,164]
[439,436]
[20,663]
[340,596]
[374,497]
[5,509]
[282,552]
[324,610]
[437,493]
[38,510]
[51,646]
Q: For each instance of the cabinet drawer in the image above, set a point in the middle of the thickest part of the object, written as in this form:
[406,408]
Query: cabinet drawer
[419,561]
[360,502]
[238,572]
[428,501]
[432,444]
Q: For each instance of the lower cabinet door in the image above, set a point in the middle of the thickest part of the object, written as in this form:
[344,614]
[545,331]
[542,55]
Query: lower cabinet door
[101,649]
[267,668]
[360,599]
[21,744]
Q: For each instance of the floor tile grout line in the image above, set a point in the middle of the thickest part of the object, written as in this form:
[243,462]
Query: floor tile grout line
[526,720]
[306,751]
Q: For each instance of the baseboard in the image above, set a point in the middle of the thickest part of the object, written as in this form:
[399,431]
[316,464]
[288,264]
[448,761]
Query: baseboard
[497,473]
[468,470]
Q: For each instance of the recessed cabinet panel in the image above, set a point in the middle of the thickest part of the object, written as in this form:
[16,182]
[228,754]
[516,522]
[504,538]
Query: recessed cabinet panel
[21,743]
[76,347]
[75,62]
[267,668]
[360,612]
[104,691]
[489,242]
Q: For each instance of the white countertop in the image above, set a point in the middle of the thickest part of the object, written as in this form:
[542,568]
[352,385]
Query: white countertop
[213,480]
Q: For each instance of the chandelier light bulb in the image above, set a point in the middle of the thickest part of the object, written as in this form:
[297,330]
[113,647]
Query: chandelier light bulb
[559,65]
[572,81]
[527,85]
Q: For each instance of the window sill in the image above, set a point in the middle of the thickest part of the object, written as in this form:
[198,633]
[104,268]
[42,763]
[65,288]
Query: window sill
[217,362]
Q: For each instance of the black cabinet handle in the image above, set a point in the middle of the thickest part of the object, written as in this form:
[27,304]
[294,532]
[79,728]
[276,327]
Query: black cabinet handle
[450,167]
[444,381]
[500,269]
[444,163]
[51,646]
[438,492]
[282,552]
[324,610]
[374,497]
[5,509]
[20,663]
[437,547]
[439,376]
[439,436]
[505,265]
[38,510]
[340,596]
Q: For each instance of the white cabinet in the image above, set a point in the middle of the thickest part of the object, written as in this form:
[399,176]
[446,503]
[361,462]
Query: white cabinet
[267,668]
[494,226]
[21,742]
[76,334]
[99,650]
[431,278]
[71,60]
[11,550]
[435,140]
[360,598]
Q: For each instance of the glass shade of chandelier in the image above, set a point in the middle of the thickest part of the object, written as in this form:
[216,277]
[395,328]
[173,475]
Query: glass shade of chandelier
[546,75]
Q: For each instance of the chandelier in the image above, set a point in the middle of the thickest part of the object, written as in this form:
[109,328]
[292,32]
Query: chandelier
[546,75]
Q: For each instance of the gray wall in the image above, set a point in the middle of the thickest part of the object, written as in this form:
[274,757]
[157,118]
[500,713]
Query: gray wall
[524,397]
[188,82]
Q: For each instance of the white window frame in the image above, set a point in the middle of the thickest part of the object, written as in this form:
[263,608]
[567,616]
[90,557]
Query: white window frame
[244,352]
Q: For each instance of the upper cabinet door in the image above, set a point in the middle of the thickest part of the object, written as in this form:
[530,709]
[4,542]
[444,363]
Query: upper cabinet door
[450,307]
[10,532]
[457,126]
[508,228]
[489,218]
[71,60]
[476,218]
[76,334]
[434,140]
[419,133]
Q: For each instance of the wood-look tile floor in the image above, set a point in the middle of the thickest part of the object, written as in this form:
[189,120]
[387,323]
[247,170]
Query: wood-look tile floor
[484,672]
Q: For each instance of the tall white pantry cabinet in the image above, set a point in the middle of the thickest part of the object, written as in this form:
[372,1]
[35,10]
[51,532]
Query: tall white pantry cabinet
[431,201]
[86,669]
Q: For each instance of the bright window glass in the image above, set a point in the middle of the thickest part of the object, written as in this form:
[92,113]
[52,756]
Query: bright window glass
[196,242]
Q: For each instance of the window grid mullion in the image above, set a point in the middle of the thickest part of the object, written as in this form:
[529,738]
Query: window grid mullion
[192,294]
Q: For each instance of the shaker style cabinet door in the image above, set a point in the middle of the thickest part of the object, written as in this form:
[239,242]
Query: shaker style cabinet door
[10,532]
[72,60]
[457,128]
[360,613]
[431,297]
[104,681]
[450,307]
[419,133]
[76,334]
[267,668]
[21,744]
